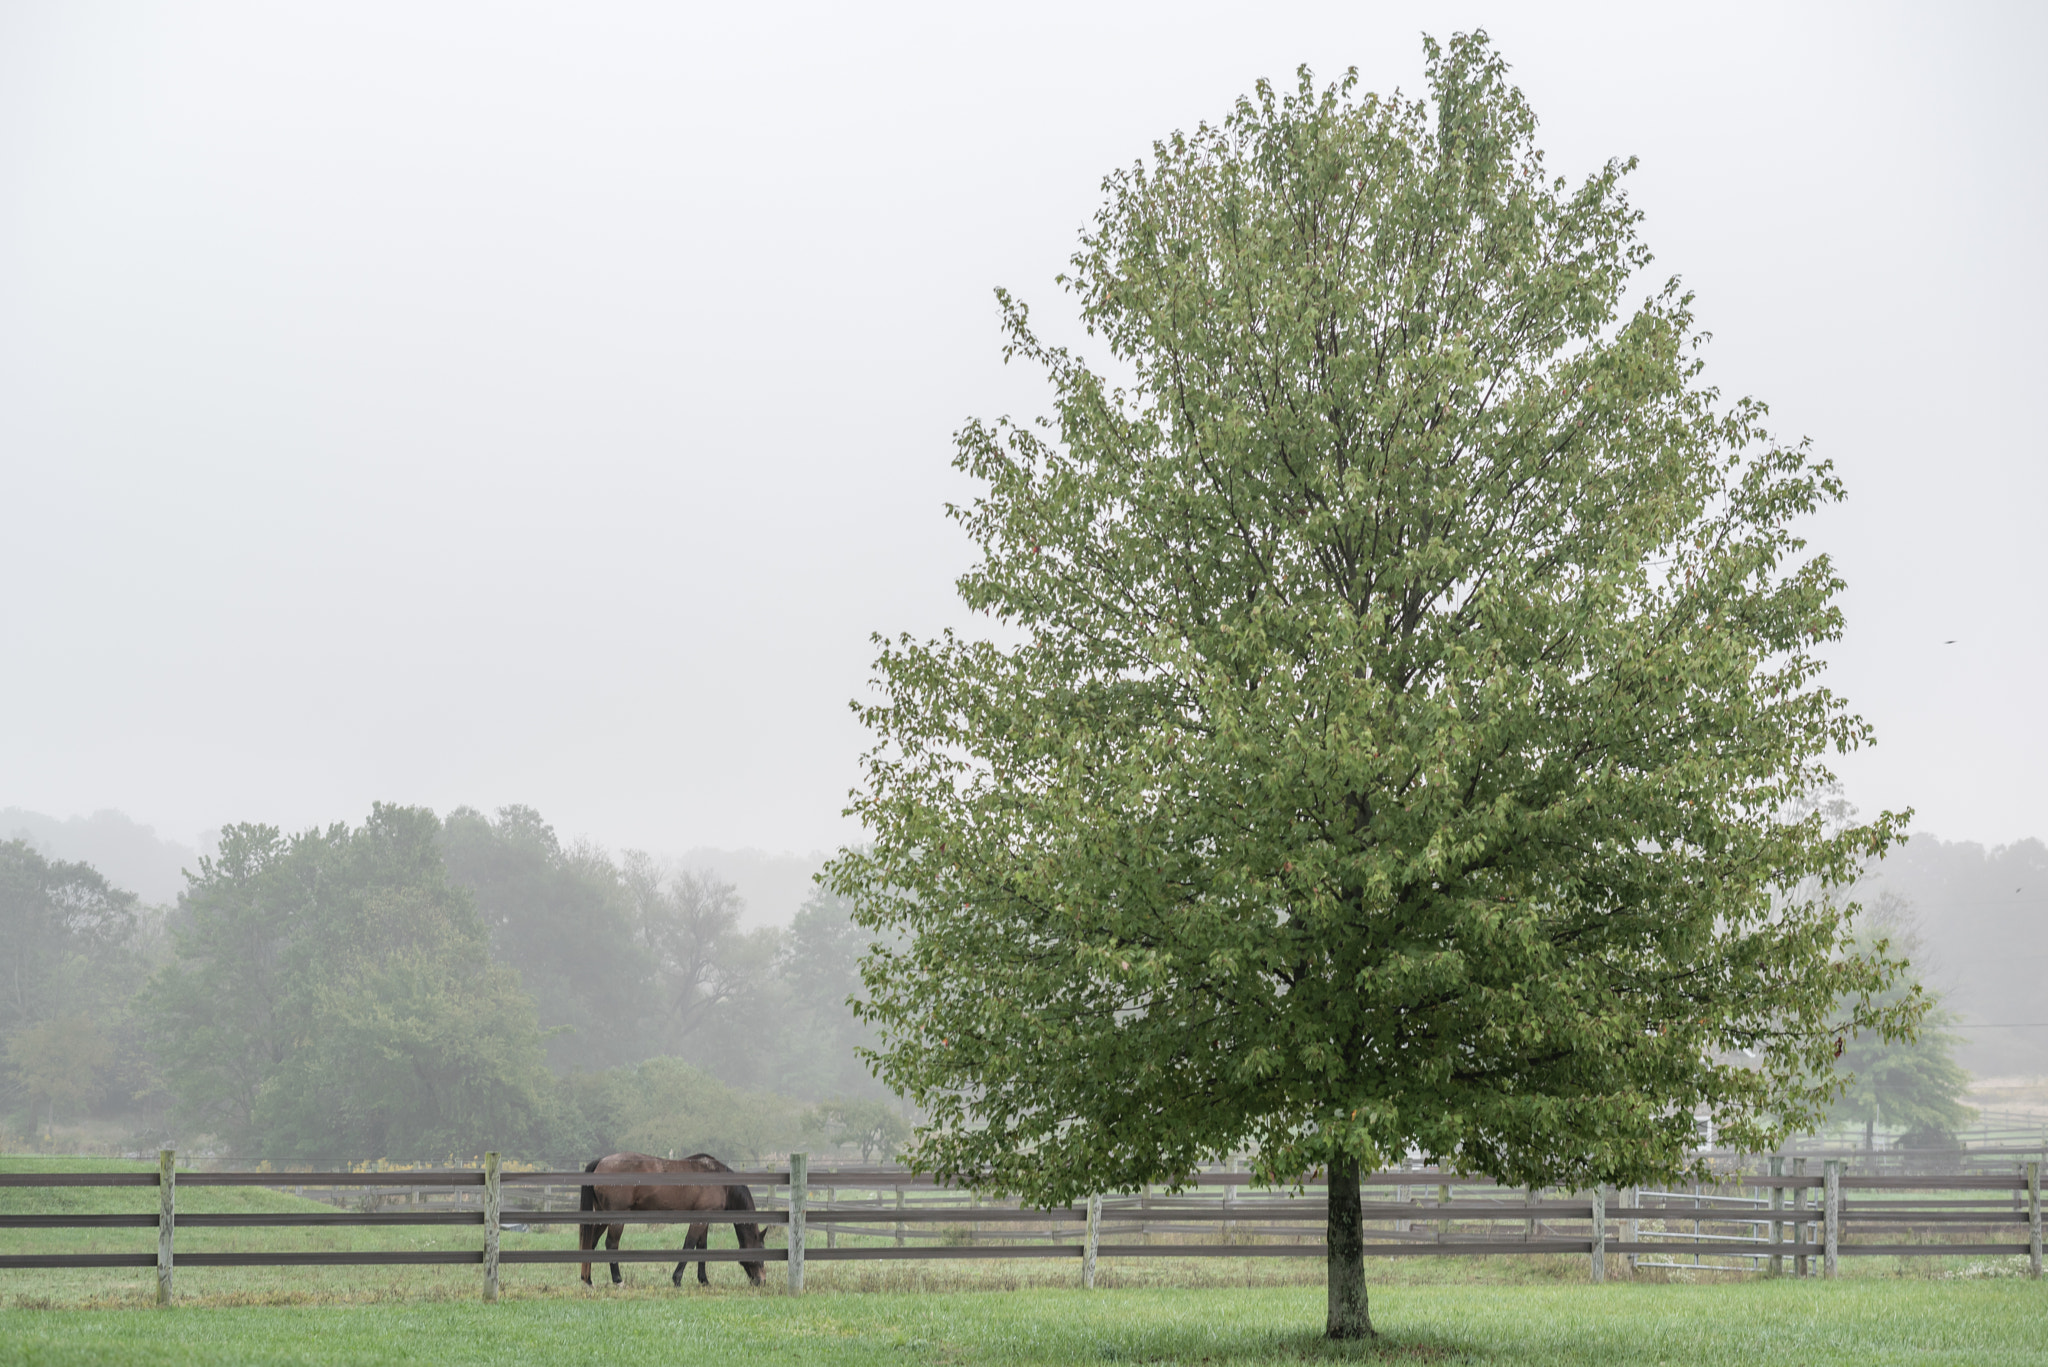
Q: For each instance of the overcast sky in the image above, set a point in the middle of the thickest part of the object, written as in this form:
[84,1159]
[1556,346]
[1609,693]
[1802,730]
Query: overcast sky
[507,403]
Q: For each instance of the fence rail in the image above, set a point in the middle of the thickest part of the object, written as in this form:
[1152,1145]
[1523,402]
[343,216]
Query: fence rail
[1758,1218]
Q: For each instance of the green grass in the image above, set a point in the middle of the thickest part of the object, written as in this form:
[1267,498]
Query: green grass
[1865,1323]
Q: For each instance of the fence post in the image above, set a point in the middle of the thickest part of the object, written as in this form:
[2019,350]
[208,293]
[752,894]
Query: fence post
[1633,1229]
[1777,1225]
[899,1215]
[1802,1233]
[1833,1214]
[167,1220]
[831,1231]
[1599,1233]
[799,1180]
[2034,1217]
[492,1213]
[1090,1241]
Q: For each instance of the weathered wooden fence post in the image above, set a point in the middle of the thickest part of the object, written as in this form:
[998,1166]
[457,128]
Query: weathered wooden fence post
[1833,1215]
[899,1215]
[1632,1230]
[167,1220]
[1599,1234]
[831,1231]
[1089,1242]
[799,1179]
[1777,1225]
[2034,1217]
[1802,1231]
[492,1214]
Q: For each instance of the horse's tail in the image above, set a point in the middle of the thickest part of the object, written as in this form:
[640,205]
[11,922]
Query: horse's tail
[588,1235]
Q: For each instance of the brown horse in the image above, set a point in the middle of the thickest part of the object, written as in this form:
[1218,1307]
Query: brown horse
[668,1197]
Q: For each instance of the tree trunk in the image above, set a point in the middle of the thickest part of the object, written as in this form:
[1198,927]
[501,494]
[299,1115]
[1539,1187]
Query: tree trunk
[1346,1252]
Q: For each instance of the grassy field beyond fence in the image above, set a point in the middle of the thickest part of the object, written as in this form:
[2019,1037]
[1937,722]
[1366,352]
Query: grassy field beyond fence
[1865,1322]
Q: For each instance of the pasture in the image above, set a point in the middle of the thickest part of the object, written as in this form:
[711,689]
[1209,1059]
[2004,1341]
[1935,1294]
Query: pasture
[1865,1321]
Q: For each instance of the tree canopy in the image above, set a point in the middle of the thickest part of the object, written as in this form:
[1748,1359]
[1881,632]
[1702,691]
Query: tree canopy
[1402,716]
[66,961]
[331,994]
[395,989]
[561,918]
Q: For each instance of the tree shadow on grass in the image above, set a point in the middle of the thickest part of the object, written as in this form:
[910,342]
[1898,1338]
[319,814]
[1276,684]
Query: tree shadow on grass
[1306,1346]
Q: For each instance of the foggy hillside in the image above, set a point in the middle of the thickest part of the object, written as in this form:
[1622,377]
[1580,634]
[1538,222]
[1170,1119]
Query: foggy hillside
[129,854]
[1983,917]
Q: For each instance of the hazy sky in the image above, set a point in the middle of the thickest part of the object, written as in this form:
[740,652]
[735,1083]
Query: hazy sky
[509,403]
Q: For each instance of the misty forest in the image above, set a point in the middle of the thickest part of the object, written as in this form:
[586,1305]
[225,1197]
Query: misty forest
[418,988]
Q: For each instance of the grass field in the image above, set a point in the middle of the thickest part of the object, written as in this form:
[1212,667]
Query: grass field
[1481,1310]
[1867,1323]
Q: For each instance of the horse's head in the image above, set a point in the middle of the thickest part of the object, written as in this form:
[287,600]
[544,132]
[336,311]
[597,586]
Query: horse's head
[753,1236]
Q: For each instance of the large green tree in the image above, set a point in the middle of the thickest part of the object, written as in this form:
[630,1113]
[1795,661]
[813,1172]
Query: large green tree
[331,994]
[1400,725]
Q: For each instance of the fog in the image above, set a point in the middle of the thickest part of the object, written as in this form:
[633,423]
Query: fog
[478,405]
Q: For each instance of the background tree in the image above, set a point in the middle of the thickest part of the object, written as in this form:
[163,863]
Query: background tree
[221,1011]
[1406,701]
[719,1003]
[667,1106]
[58,1062]
[872,1126]
[54,916]
[66,937]
[819,967]
[332,995]
[1912,1085]
[564,922]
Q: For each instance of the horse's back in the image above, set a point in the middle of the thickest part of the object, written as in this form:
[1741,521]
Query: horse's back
[664,1196]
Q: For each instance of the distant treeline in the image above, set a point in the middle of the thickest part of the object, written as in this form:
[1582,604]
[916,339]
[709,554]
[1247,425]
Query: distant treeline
[420,987]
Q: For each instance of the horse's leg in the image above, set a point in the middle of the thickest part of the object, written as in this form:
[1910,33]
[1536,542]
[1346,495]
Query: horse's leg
[700,1237]
[586,1239]
[690,1240]
[611,1241]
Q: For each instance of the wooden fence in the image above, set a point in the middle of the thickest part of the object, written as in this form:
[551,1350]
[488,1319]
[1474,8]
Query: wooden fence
[1770,1220]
